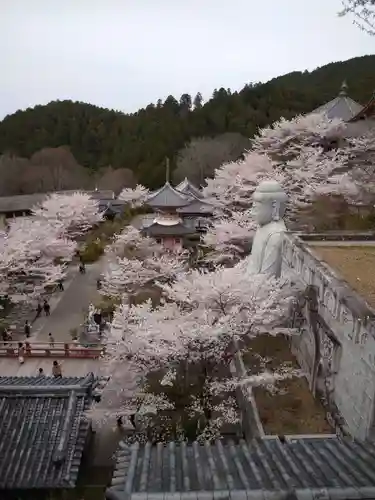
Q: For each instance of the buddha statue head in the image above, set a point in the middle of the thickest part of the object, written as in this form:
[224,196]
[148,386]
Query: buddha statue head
[269,202]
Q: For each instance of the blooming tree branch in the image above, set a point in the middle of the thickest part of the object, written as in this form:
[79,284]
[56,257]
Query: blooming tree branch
[135,197]
[75,213]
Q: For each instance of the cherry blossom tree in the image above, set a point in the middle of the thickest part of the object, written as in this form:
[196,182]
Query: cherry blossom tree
[187,341]
[32,252]
[136,197]
[363,12]
[301,154]
[134,260]
[75,213]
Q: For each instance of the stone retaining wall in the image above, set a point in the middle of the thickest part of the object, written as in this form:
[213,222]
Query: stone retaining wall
[337,332]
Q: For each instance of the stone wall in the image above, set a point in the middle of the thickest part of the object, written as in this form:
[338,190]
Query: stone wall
[337,336]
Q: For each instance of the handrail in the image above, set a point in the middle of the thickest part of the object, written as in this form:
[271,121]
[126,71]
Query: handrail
[14,343]
[65,350]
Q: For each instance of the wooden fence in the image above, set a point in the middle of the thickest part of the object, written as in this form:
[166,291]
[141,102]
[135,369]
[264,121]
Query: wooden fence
[58,350]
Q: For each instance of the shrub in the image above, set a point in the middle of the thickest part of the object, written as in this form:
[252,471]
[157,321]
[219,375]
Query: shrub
[92,251]
[108,305]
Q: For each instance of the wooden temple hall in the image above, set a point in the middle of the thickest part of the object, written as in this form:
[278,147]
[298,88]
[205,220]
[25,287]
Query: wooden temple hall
[180,216]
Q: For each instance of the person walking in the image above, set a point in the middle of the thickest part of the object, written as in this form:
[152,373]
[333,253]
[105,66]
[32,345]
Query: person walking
[41,372]
[46,308]
[39,310]
[51,340]
[56,369]
[21,353]
[27,328]
[60,285]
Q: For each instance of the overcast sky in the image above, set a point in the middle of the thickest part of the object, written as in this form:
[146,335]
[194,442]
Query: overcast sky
[124,54]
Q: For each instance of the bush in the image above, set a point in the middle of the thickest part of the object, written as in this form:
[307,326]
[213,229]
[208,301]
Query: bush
[108,305]
[92,251]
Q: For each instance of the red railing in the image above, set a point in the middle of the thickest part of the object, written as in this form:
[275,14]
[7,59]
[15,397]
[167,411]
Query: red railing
[58,350]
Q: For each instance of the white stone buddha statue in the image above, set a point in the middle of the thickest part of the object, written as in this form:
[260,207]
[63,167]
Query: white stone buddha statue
[269,203]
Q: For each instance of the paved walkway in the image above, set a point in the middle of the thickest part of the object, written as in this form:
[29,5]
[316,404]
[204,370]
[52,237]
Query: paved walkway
[69,307]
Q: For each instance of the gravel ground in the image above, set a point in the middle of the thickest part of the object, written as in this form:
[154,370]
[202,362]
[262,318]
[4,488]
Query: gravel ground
[356,264]
[293,410]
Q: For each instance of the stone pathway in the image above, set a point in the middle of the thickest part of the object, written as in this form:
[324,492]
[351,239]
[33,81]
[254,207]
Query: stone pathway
[27,311]
[68,308]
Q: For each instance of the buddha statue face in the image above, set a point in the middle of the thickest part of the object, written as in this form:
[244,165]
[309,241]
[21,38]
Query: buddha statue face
[269,202]
[262,212]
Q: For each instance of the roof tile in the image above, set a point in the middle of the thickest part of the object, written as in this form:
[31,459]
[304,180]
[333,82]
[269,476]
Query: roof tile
[43,431]
[265,468]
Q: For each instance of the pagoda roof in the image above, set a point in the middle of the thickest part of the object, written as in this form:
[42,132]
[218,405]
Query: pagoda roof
[197,206]
[188,188]
[342,106]
[167,196]
[157,229]
[367,112]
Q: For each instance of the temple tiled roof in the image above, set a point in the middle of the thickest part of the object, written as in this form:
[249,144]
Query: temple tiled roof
[367,112]
[43,430]
[307,467]
[188,188]
[25,202]
[156,230]
[167,197]
[342,106]
[196,207]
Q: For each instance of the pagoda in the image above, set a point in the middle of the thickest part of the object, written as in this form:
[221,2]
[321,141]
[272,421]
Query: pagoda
[341,107]
[180,213]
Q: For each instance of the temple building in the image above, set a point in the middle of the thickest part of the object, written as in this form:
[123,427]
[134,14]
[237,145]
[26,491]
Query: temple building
[44,434]
[364,120]
[341,107]
[289,467]
[181,215]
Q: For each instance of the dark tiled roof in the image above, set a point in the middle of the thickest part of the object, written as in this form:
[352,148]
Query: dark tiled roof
[20,203]
[160,230]
[168,197]
[297,468]
[342,106]
[43,430]
[196,207]
[188,188]
[367,112]
[25,202]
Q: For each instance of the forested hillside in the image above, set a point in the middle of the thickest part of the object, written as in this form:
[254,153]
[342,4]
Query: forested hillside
[140,142]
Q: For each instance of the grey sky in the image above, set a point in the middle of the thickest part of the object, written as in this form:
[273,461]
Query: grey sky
[124,54]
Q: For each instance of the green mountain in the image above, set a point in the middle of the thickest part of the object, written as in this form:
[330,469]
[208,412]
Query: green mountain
[100,137]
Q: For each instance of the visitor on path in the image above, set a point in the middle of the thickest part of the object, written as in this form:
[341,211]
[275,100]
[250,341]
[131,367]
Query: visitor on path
[41,372]
[60,285]
[21,353]
[82,268]
[56,370]
[51,340]
[39,310]
[7,336]
[98,284]
[27,328]
[46,308]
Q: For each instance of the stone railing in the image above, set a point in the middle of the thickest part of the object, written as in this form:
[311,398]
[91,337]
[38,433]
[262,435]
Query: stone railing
[251,424]
[340,333]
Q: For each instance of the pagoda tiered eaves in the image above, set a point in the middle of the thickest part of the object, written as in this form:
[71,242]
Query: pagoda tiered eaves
[168,197]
